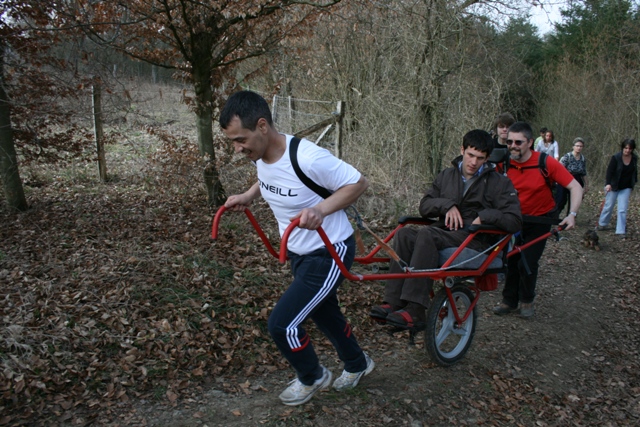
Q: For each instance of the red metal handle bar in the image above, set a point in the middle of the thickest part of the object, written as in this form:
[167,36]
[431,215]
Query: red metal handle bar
[216,224]
[368,259]
[285,238]
[518,249]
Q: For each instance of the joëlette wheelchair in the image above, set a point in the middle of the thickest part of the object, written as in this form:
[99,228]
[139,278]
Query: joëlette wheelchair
[452,315]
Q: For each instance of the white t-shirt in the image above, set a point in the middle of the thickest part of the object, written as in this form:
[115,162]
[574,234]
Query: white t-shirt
[287,195]
[552,150]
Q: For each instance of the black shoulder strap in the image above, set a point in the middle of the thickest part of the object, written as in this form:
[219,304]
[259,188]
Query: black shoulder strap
[293,155]
[542,166]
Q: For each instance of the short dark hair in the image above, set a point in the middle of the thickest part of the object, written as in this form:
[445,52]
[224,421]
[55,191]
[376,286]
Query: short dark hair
[249,107]
[523,128]
[630,142]
[505,119]
[478,139]
[578,139]
[543,130]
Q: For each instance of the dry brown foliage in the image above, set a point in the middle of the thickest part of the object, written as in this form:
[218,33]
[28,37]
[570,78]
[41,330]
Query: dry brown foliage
[113,295]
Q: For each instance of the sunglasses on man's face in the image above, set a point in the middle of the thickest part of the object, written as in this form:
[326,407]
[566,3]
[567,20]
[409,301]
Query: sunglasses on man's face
[515,141]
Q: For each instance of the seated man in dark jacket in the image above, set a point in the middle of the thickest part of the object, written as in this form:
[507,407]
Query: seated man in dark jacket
[469,192]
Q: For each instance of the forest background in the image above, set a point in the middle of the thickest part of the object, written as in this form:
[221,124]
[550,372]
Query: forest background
[414,76]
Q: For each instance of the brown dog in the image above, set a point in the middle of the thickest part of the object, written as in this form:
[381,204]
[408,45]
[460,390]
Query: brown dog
[591,239]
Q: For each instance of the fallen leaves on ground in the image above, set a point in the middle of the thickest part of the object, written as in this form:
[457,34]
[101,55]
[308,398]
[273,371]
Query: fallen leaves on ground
[117,296]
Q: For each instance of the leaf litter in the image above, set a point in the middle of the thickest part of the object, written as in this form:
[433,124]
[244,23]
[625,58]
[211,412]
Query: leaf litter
[118,309]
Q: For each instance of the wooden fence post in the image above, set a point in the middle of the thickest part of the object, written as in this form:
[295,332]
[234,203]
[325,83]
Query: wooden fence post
[97,130]
[338,140]
[336,118]
[290,103]
[274,109]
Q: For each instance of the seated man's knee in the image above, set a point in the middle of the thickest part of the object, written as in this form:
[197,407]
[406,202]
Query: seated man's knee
[404,238]
[405,233]
[426,232]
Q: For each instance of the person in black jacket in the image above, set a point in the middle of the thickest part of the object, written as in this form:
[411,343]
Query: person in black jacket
[500,128]
[469,192]
[622,175]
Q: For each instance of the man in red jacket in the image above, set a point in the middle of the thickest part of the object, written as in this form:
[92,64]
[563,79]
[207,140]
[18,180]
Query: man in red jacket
[536,199]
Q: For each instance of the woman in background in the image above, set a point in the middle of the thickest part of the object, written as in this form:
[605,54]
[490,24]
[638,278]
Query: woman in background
[622,175]
[576,164]
[549,145]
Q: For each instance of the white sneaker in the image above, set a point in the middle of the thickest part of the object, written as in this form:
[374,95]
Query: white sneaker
[351,379]
[298,393]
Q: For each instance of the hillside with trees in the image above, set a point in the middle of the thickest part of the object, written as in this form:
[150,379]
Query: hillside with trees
[414,76]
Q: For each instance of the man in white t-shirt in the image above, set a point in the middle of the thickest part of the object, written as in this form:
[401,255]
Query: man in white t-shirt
[246,120]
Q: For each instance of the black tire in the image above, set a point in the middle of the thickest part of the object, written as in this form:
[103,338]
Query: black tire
[445,341]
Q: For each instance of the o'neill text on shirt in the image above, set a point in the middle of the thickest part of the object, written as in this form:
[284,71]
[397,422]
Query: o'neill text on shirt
[277,190]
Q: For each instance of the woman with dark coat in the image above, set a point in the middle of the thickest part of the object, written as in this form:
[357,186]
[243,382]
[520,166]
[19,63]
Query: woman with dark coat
[622,175]
[576,164]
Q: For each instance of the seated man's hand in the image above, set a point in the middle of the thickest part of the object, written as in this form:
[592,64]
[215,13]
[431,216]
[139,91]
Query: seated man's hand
[477,221]
[453,219]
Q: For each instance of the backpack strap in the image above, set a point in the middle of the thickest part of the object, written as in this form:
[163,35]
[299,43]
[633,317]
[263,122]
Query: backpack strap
[542,166]
[325,193]
[293,155]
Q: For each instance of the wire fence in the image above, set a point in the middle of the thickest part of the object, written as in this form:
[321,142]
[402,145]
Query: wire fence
[292,115]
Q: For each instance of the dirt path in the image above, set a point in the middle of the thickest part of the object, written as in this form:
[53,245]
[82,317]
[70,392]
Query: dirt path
[571,365]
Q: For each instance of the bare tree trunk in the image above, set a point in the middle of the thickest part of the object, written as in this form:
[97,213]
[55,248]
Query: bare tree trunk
[204,124]
[11,181]
[98,132]
[432,120]
[432,69]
